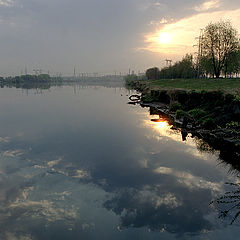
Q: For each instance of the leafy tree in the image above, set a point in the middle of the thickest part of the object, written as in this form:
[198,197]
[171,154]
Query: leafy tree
[182,69]
[219,44]
[152,73]
[232,65]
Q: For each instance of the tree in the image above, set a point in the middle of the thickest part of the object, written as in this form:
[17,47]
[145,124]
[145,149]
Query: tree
[152,73]
[218,44]
[232,65]
[181,69]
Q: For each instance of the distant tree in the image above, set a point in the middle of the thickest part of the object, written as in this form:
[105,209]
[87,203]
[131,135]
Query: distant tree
[153,73]
[219,43]
[186,67]
[43,78]
[182,69]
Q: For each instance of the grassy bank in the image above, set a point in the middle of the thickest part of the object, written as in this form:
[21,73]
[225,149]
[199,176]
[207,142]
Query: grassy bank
[227,85]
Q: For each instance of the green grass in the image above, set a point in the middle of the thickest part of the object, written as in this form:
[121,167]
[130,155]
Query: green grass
[227,85]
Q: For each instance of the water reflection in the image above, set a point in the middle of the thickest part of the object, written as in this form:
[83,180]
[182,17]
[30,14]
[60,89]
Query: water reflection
[228,204]
[159,209]
[164,125]
[88,165]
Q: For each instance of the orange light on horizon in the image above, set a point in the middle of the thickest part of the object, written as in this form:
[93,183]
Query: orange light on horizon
[164,38]
[178,37]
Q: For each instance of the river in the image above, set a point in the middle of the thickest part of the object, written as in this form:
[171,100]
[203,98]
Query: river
[78,162]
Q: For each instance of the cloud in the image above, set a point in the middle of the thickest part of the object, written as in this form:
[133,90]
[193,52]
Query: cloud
[13,153]
[12,236]
[182,34]
[6,3]
[158,210]
[54,162]
[208,5]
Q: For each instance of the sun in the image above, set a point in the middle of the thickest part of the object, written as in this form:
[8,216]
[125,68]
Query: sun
[164,38]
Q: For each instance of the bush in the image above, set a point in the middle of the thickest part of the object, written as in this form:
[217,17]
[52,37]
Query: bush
[197,113]
[233,125]
[147,98]
[175,106]
[209,123]
[130,78]
[180,113]
[237,98]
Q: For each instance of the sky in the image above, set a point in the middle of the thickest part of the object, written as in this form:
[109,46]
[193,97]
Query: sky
[103,36]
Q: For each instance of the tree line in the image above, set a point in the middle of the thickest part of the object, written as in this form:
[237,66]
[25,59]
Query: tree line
[41,81]
[41,78]
[218,56]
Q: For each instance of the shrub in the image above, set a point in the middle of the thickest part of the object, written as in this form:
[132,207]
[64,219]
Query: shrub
[233,124]
[209,123]
[175,106]
[197,113]
[237,98]
[180,113]
[130,78]
[147,98]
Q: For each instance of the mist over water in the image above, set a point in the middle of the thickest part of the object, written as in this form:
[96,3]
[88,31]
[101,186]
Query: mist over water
[78,162]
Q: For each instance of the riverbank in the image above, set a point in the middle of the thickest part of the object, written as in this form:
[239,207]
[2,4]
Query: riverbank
[210,115]
[231,85]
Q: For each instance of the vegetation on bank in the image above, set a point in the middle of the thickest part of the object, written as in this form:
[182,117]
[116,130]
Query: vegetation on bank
[210,103]
[229,85]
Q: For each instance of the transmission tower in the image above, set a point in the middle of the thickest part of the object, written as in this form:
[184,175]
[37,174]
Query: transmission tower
[168,62]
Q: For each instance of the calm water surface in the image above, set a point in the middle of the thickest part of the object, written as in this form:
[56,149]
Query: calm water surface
[80,163]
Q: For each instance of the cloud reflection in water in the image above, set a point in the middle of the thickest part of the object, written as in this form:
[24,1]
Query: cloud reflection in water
[78,177]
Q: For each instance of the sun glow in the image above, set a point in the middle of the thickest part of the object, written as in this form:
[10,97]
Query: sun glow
[164,38]
[178,37]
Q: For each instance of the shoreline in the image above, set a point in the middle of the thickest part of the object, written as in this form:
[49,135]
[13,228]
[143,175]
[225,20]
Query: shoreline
[221,136]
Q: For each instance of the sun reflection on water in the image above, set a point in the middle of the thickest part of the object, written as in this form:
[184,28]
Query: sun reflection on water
[162,124]
[162,127]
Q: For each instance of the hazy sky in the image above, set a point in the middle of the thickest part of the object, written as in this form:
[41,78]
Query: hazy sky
[102,35]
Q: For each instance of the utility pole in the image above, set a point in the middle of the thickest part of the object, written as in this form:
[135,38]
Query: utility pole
[74,72]
[36,71]
[200,50]
[199,53]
